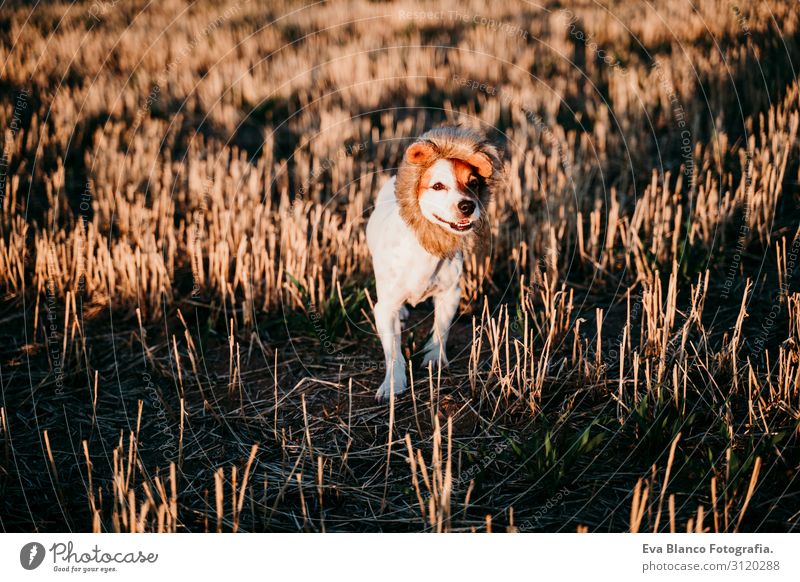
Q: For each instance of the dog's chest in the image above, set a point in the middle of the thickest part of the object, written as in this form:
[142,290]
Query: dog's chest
[439,276]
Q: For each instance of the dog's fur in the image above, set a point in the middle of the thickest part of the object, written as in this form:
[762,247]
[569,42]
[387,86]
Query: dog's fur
[423,222]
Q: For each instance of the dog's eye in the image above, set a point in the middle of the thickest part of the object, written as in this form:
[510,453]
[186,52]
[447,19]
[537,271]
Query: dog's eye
[438,186]
[472,183]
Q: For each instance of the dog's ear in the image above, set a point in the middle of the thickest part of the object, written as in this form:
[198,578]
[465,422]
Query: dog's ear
[481,162]
[419,153]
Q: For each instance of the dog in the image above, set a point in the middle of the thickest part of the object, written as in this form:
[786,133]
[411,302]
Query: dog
[425,218]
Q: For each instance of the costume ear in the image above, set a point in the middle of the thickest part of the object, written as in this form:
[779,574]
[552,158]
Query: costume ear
[419,153]
[482,163]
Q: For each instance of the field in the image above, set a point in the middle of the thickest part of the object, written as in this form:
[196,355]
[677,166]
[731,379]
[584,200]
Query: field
[186,333]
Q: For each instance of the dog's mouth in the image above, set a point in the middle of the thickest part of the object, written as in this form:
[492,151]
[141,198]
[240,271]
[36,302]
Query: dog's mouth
[462,225]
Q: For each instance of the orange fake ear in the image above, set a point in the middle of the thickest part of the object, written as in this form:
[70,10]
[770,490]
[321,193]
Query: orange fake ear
[482,163]
[419,153]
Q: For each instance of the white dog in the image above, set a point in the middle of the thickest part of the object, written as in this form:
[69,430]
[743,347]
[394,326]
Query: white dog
[424,219]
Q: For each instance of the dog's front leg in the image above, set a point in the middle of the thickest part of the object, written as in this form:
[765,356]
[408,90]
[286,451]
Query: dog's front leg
[445,305]
[387,320]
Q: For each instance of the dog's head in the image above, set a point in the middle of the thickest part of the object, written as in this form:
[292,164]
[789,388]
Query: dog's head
[443,185]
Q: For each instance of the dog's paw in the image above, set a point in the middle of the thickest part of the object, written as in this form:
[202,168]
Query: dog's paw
[432,357]
[385,391]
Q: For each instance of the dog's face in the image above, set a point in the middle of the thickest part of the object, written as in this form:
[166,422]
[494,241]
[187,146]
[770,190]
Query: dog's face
[450,191]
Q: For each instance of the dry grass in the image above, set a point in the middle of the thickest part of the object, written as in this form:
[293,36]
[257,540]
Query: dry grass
[186,338]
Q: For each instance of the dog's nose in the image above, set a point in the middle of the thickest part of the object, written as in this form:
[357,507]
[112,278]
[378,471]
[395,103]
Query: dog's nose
[466,207]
